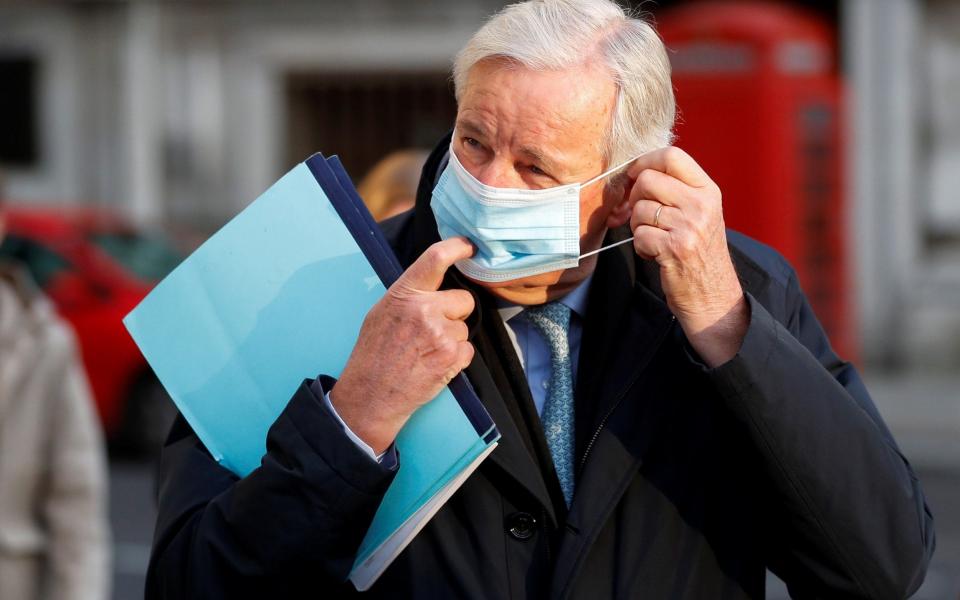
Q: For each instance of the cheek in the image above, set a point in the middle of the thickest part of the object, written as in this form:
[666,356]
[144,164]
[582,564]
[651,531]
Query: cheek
[593,212]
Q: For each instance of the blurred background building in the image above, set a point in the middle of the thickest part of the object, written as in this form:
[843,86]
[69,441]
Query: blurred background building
[181,112]
[176,114]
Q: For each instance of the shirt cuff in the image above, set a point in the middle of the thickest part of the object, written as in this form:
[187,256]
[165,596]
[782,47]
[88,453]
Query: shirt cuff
[387,458]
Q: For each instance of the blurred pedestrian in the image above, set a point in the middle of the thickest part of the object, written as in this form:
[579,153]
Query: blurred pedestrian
[390,187]
[53,526]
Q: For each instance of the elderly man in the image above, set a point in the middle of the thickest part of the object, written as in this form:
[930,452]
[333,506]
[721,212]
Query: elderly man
[673,419]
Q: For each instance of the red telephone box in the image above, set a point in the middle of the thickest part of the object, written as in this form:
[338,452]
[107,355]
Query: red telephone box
[759,107]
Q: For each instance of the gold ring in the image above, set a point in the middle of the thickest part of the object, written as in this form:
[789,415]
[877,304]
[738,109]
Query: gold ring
[656,216]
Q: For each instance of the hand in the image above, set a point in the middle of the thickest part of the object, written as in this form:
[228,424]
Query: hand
[412,343]
[677,220]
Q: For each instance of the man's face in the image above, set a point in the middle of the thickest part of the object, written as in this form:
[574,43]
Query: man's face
[518,128]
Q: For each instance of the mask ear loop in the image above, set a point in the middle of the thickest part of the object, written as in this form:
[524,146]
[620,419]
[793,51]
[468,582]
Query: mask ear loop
[594,180]
[610,171]
[599,250]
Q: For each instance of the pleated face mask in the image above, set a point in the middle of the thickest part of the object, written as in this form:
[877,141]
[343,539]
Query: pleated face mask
[517,232]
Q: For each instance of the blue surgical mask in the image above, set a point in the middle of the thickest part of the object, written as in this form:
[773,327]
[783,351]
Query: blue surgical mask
[517,232]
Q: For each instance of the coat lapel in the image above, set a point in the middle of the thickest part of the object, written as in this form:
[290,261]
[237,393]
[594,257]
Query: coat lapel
[495,347]
[609,298]
[637,351]
[512,455]
[620,426]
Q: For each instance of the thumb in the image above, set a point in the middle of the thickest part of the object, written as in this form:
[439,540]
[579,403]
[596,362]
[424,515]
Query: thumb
[426,273]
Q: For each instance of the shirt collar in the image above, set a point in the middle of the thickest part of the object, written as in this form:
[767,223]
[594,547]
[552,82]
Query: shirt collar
[576,301]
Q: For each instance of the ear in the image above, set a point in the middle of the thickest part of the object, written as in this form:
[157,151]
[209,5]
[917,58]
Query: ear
[620,214]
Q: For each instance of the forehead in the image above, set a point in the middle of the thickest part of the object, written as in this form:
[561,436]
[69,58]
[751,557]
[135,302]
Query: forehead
[564,112]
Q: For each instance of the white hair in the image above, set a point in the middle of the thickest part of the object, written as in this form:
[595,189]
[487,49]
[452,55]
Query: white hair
[552,35]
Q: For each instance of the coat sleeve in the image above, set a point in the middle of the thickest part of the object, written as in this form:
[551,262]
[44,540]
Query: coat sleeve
[293,523]
[847,515]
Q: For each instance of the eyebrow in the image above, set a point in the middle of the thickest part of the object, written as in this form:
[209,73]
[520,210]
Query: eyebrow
[472,128]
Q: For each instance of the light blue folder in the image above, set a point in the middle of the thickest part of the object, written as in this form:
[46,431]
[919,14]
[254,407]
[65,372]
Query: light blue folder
[276,296]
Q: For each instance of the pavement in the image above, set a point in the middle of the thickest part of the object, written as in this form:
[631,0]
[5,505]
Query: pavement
[922,410]
[132,516]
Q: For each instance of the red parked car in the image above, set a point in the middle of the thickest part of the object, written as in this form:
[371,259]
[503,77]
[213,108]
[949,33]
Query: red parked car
[96,267]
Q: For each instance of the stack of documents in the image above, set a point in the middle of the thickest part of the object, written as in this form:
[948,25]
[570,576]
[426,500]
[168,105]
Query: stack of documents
[278,296]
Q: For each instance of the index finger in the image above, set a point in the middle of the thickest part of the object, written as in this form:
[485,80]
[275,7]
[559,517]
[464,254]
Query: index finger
[674,162]
[426,273]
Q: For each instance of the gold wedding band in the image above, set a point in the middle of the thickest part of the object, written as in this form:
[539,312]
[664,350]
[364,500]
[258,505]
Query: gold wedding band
[656,216]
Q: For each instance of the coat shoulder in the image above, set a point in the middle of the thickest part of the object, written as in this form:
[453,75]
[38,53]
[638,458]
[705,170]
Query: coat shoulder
[751,255]
[766,274]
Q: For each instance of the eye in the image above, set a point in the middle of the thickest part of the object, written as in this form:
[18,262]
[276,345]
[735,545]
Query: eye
[537,170]
[472,143]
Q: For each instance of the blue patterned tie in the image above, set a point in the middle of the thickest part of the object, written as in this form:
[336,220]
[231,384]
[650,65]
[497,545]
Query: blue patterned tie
[552,320]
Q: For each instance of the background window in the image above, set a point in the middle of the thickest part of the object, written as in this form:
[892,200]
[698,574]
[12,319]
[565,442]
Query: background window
[362,117]
[18,105]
